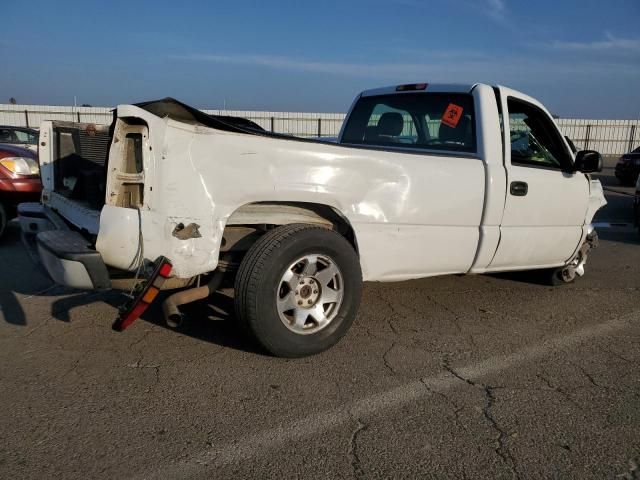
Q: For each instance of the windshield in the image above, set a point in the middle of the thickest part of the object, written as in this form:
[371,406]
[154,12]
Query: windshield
[18,136]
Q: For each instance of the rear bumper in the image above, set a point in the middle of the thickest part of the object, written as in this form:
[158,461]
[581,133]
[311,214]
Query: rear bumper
[65,254]
[70,261]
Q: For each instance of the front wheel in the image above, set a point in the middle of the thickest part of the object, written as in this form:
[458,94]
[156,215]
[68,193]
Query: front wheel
[575,268]
[298,289]
[560,276]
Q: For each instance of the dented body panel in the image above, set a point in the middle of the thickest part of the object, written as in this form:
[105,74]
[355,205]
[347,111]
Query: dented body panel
[205,175]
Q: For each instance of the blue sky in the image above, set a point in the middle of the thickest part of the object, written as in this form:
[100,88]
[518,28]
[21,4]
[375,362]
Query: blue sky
[581,58]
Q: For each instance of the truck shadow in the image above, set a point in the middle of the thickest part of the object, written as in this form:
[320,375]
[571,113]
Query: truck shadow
[532,277]
[22,279]
[18,275]
[212,320]
[11,309]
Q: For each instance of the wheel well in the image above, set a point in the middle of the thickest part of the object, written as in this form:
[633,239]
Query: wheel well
[250,221]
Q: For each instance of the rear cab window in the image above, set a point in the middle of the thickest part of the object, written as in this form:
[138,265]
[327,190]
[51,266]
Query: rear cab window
[421,121]
[535,141]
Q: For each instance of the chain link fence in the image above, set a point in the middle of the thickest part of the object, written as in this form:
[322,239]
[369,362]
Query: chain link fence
[609,137]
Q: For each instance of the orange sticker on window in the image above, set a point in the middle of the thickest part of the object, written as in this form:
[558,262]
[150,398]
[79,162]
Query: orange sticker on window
[452,115]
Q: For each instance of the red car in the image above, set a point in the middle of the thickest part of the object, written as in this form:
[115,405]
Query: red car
[19,180]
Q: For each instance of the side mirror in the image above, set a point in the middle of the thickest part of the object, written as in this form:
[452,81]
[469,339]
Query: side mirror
[588,161]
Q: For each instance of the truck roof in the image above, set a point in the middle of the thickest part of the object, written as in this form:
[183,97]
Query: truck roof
[416,87]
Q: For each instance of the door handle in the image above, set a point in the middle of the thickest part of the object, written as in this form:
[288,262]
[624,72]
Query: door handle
[518,189]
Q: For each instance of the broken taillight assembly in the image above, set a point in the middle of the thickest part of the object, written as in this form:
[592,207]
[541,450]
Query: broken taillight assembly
[132,311]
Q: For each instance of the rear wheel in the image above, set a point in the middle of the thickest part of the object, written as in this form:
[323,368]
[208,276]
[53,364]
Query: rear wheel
[298,289]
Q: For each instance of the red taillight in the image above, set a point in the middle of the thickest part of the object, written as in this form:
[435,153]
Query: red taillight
[123,322]
[146,296]
[165,270]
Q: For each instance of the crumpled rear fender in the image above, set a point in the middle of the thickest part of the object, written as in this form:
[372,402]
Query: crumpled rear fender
[119,239]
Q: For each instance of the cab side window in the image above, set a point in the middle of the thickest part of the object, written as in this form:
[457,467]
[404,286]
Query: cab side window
[534,139]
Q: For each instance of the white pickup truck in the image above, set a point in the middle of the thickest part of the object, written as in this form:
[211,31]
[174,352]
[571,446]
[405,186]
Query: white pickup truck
[423,180]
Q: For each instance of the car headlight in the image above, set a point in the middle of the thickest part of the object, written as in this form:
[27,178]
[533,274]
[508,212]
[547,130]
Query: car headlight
[20,165]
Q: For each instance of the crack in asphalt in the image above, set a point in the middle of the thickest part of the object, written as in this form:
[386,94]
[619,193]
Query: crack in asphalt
[616,354]
[386,360]
[456,318]
[501,448]
[588,376]
[594,383]
[456,408]
[356,465]
[74,365]
[37,327]
[455,321]
[142,338]
[140,365]
[558,390]
[312,425]
[394,313]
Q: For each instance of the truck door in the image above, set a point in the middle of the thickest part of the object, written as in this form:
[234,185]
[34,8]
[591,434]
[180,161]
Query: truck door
[546,201]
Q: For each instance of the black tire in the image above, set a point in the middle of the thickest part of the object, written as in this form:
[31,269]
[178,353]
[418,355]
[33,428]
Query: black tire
[3,219]
[259,279]
[555,278]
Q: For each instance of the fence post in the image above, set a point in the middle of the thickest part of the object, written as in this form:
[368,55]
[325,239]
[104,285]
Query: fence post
[273,125]
[319,127]
[632,136]
[78,113]
[26,117]
[586,140]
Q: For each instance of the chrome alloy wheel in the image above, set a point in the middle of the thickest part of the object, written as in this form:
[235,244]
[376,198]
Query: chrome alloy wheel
[310,294]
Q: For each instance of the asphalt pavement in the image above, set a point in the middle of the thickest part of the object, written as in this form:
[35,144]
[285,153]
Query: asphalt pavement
[497,376]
